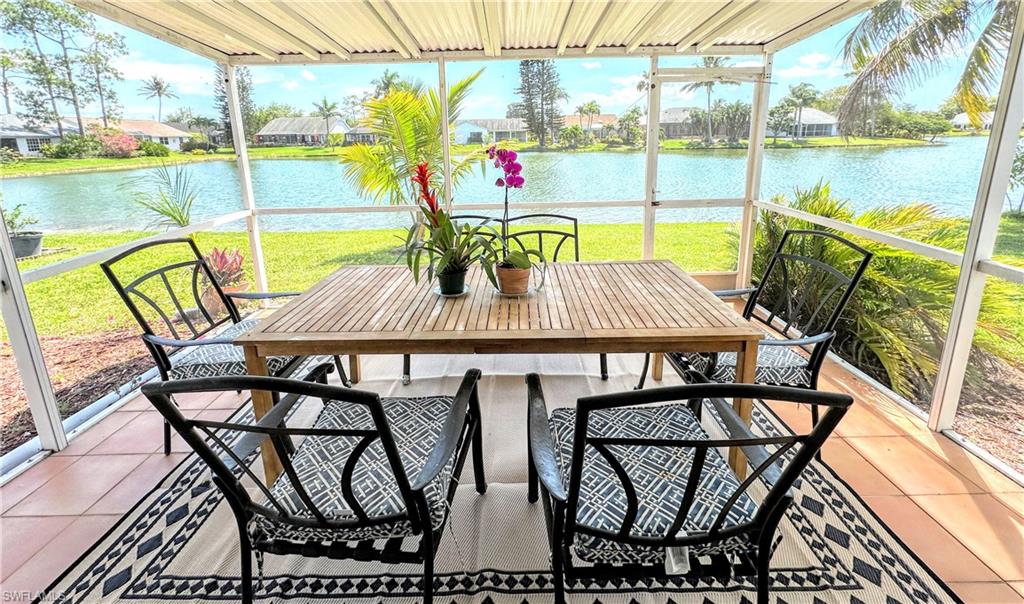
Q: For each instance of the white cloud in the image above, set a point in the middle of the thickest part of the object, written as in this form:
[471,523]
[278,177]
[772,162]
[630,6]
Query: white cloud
[307,74]
[813,65]
[289,85]
[184,78]
[813,59]
[591,64]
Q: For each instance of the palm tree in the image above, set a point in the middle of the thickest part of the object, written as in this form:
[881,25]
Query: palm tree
[581,110]
[708,86]
[407,125]
[800,96]
[205,125]
[326,109]
[897,44]
[591,108]
[157,87]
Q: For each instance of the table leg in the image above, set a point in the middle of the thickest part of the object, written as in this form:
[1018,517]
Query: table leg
[262,402]
[355,371]
[746,367]
[658,367]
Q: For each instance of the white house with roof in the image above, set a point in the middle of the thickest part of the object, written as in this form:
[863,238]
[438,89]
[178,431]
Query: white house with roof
[599,126]
[962,122]
[299,131]
[815,122]
[503,129]
[675,122]
[468,133]
[17,134]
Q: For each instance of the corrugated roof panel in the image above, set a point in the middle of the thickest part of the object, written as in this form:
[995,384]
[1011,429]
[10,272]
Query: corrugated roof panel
[451,29]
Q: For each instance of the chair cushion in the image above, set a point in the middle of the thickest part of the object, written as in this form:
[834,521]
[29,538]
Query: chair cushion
[776,366]
[220,359]
[659,475]
[416,424]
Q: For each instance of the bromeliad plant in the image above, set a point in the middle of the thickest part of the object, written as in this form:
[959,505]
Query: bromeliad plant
[450,248]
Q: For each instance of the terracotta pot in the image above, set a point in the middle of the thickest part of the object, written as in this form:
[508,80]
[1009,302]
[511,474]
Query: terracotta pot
[452,284]
[513,281]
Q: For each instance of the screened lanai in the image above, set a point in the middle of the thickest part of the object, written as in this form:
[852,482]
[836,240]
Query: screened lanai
[907,489]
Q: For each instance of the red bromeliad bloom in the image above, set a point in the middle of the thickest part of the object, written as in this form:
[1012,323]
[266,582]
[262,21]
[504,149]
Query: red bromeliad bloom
[427,195]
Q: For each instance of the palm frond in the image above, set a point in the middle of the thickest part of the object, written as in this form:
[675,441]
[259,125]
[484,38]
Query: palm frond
[984,63]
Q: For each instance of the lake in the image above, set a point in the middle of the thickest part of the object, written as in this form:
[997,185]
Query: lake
[945,175]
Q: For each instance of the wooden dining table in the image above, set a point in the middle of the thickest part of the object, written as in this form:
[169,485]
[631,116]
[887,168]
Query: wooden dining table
[649,306]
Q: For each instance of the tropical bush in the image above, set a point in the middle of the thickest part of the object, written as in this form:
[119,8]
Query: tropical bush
[198,152]
[117,144]
[895,324]
[17,221]
[168,194]
[194,143]
[154,149]
[9,157]
[72,146]
[572,137]
[228,267]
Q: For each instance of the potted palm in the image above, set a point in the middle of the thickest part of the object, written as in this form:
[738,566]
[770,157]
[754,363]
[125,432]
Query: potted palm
[229,271]
[450,248]
[509,270]
[25,243]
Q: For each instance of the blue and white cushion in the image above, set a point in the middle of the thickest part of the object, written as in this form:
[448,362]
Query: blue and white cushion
[415,423]
[776,366]
[659,475]
[220,359]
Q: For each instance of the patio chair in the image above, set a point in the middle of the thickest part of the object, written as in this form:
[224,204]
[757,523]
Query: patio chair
[184,301]
[625,483]
[799,295]
[369,476]
[549,241]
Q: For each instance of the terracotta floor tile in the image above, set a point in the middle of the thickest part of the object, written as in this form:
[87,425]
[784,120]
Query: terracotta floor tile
[123,497]
[197,400]
[865,420]
[138,403]
[985,526]
[30,480]
[228,400]
[911,467]
[95,434]
[797,417]
[856,470]
[23,537]
[986,593]
[144,434]
[1014,501]
[40,570]
[940,550]
[1018,586]
[968,464]
[78,487]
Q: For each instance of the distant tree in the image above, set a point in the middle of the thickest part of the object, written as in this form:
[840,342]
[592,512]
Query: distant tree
[243,81]
[540,92]
[159,88]
[572,137]
[7,67]
[592,109]
[352,108]
[388,81]
[204,125]
[1017,181]
[708,87]
[326,110]
[263,115]
[629,126]
[829,100]
[780,119]
[952,106]
[734,119]
[98,69]
[181,115]
[801,95]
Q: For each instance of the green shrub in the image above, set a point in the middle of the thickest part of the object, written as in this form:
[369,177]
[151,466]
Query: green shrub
[154,149]
[192,145]
[72,146]
[198,152]
[9,157]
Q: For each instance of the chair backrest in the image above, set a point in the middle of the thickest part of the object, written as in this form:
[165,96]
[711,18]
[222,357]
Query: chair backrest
[225,446]
[778,460]
[182,300]
[557,235]
[808,280]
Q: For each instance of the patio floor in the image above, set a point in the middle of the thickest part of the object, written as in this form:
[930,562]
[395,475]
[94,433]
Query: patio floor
[963,518]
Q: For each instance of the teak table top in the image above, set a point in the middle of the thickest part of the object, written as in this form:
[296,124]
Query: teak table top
[634,306]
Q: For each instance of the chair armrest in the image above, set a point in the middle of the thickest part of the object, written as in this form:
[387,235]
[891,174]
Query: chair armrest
[451,433]
[541,446]
[817,339]
[737,428]
[261,295]
[161,341]
[734,293]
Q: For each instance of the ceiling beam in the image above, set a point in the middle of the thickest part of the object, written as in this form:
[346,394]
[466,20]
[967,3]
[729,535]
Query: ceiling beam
[144,25]
[569,25]
[711,23]
[259,21]
[312,30]
[190,11]
[647,26]
[600,28]
[487,25]
[822,21]
[392,24]
[732,24]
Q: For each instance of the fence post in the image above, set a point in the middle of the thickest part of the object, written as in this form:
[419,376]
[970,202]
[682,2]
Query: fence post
[28,354]
[651,169]
[244,176]
[755,163]
[446,139]
[981,237]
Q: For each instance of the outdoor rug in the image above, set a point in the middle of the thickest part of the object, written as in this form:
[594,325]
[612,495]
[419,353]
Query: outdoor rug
[180,543]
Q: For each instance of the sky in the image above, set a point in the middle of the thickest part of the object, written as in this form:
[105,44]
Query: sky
[610,82]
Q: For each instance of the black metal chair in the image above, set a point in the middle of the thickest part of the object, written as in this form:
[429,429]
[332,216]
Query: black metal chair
[802,297]
[369,473]
[550,241]
[184,301]
[622,480]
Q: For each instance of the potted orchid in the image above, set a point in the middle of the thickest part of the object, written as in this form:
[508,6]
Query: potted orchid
[509,270]
[450,248]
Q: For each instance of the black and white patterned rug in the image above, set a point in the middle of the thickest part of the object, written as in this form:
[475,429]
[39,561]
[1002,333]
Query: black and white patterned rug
[179,544]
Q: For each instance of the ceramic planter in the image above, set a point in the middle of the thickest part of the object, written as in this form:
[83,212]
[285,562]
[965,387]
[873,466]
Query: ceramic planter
[452,284]
[513,281]
[27,243]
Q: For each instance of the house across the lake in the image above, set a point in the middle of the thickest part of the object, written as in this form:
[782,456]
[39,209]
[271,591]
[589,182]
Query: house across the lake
[17,134]
[299,131]
[360,135]
[503,129]
[815,122]
[675,122]
[600,126]
[962,122]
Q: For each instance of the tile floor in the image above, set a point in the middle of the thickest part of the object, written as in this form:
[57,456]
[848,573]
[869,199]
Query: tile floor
[963,518]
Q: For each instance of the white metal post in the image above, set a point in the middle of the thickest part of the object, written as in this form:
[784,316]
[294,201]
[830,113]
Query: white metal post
[244,176]
[755,164]
[651,169]
[28,354]
[446,150]
[981,237]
